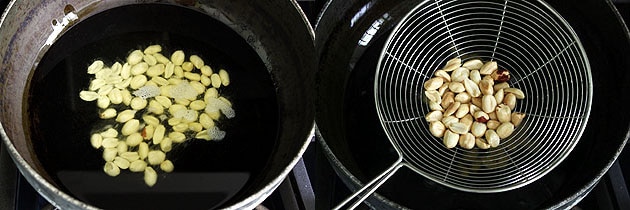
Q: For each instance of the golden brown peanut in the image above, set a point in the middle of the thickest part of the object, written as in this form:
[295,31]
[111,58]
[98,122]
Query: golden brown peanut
[505,129]
[481,143]
[437,129]
[504,114]
[467,120]
[433,116]
[447,99]
[456,87]
[500,86]
[481,116]
[459,74]
[473,109]
[467,141]
[463,98]
[433,83]
[486,87]
[434,106]
[478,129]
[517,92]
[517,118]
[499,95]
[476,101]
[443,89]
[459,128]
[488,68]
[452,109]
[510,100]
[432,95]
[452,64]
[462,111]
[472,88]
[493,138]
[449,120]
[444,75]
[488,103]
[474,64]
[475,76]
[450,139]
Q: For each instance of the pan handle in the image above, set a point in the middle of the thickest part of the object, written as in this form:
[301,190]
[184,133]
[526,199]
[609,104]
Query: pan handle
[367,190]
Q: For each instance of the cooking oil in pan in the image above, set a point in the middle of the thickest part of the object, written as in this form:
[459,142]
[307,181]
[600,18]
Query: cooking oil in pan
[207,174]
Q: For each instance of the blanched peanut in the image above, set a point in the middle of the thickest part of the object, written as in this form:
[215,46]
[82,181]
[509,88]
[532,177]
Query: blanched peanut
[160,80]
[151,120]
[169,69]
[177,137]
[182,127]
[109,154]
[197,105]
[138,103]
[167,166]
[155,107]
[197,61]
[102,102]
[161,58]
[95,67]
[111,169]
[216,80]
[138,81]
[164,101]
[155,70]
[135,57]
[110,142]
[187,66]
[178,72]
[178,57]
[158,135]
[196,127]
[137,166]
[166,144]
[115,96]
[206,70]
[96,140]
[88,95]
[130,156]
[134,139]
[109,113]
[125,72]
[205,80]
[156,157]
[130,127]
[153,49]
[109,133]
[139,68]
[149,59]
[97,84]
[148,132]
[122,148]
[150,177]
[206,121]
[121,162]
[143,150]
[126,95]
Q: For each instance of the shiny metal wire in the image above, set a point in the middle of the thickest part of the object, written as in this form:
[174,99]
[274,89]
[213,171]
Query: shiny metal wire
[546,61]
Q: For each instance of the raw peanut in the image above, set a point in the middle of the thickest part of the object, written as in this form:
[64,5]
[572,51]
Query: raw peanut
[434,106]
[139,68]
[182,101]
[153,49]
[135,57]
[103,91]
[178,57]
[517,118]
[504,114]
[488,103]
[486,87]
[134,139]
[206,70]
[138,103]
[121,162]
[125,71]
[203,135]
[121,148]
[149,59]
[197,105]
[96,140]
[166,145]
[437,129]
[167,166]
[493,124]
[187,66]
[143,150]
[478,129]
[505,129]
[156,70]
[467,120]
[194,126]
[174,121]
[150,177]
[111,169]
[488,68]
[151,120]
[447,99]
[200,88]
[225,77]
[155,107]
[197,61]
[433,83]
[158,135]
[164,101]
[130,127]
[205,80]
[123,84]
[216,80]
[161,58]
[499,95]
[444,75]
[113,80]
[125,116]
[510,100]
[481,143]
[137,82]
[177,137]
[433,116]
[115,96]
[463,97]
[151,83]
[110,142]
[459,128]
[493,138]
[472,88]
[130,156]
[481,116]
[182,127]
[462,111]
[178,72]
[449,120]
[432,95]
[474,64]
[459,74]
[206,121]
[500,86]
[96,84]
[192,76]
[109,154]
[443,89]
[160,80]
[137,166]
[102,102]
[452,109]
[500,75]
[108,113]
[452,64]
[467,141]
[103,73]
[475,76]
[210,93]
[456,87]
[450,139]
[126,95]
[147,132]
[517,92]
[169,69]
[156,157]
[476,101]
[95,67]
[109,133]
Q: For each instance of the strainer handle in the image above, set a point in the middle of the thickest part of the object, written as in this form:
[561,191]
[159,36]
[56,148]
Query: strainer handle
[369,188]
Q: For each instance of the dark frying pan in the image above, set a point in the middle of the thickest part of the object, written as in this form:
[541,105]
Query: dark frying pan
[267,46]
[350,36]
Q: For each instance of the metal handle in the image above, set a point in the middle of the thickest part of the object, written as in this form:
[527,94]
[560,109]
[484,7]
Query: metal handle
[370,187]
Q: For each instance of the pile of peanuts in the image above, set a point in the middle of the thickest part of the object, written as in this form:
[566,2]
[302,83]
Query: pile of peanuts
[471,104]
[150,103]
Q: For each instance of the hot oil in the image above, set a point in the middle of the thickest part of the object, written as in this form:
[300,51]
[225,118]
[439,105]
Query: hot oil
[207,174]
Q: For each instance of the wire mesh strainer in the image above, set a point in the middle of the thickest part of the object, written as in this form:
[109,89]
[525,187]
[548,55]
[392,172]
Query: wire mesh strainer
[546,60]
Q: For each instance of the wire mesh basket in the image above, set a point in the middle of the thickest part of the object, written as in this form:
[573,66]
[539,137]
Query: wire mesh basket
[545,59]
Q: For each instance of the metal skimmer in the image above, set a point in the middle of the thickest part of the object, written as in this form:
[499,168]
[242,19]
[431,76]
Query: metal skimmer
[546,60]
